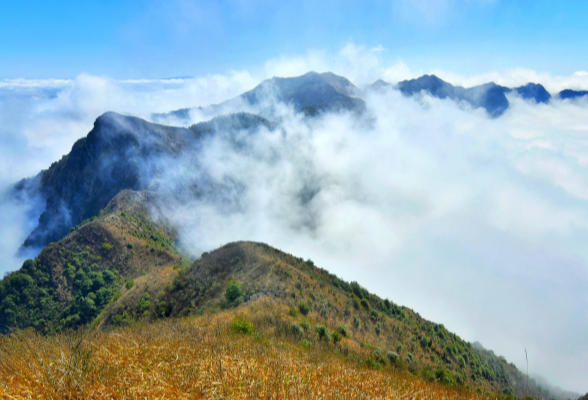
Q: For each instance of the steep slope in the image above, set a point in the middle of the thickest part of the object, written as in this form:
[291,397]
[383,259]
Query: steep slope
[302,294]
[120,152]
[71,281]
[311,93]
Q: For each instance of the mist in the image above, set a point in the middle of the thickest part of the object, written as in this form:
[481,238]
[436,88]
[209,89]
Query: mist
[476,223]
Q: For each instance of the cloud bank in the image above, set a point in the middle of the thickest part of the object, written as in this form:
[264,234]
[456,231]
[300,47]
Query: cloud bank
[474,222]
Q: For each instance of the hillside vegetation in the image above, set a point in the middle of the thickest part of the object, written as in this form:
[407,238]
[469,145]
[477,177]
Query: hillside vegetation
[201,357]
[120,273]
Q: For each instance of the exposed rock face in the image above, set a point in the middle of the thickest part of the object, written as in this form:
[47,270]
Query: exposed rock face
[120,152]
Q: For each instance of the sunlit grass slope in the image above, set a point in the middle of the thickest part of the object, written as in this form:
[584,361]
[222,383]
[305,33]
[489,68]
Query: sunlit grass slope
[205,356]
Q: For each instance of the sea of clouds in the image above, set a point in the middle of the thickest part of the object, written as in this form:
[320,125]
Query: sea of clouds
[474,222]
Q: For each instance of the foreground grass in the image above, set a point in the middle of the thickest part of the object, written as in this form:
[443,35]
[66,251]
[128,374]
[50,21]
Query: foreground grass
[200,357]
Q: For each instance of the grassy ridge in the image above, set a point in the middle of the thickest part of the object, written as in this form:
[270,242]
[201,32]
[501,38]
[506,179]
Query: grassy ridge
[201,357]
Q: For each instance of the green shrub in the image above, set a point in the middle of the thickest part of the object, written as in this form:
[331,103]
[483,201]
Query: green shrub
[323,333]
[409,358]
[292,312]
[304,308]
[392,357]
[129,284]
[106,246]
[428,374]
[370,362]
[356,322]
[296,329]
[305,325]
[355,302]
[336,337]
[459,378]
[305,343]
[374,315]
[129,245]
[365,304]
[144,304]
[343,330]
[233,291]
[425,342]
[379,356]
[443,375]
[378,328]
[399,348]
[241,326]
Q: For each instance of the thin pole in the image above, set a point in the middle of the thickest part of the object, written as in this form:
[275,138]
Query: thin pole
[527,391]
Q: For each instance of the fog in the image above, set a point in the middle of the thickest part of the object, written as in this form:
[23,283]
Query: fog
[476,223]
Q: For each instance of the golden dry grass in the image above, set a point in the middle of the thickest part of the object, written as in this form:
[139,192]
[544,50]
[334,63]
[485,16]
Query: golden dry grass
[195,358]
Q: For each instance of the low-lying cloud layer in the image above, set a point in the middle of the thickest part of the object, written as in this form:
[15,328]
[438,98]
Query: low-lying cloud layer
[474,222]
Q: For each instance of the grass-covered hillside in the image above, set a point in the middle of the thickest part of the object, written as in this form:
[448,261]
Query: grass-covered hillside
[72,281]
[120,272]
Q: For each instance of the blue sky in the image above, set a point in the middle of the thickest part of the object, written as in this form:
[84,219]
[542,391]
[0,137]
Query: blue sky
[154,39]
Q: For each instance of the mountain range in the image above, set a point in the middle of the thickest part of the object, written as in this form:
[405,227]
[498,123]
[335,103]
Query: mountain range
[109,257]
[313,93]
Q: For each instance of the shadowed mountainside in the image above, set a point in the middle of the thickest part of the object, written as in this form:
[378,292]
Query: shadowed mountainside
[120,152]
[489,96]
[572,94]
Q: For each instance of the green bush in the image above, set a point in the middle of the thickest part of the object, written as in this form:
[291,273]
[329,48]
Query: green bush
[336,337]
[443,375]
[106,246]
[365,304]
[378,328]
[374,315]
[129,284]
[305,325]
[392,357]
[409,358]
[379,356]
[144,304]
[356,322]
[428,374]
[305,343]
[296,329]
[343,330]
[233,291]
[399,348]
[370,362]
[304,308]
[355,302]
[323,333]
[425,342]
[241,326]
[292,312]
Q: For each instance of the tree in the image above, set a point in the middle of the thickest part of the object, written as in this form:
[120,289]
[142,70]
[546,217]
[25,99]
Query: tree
[233,291]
